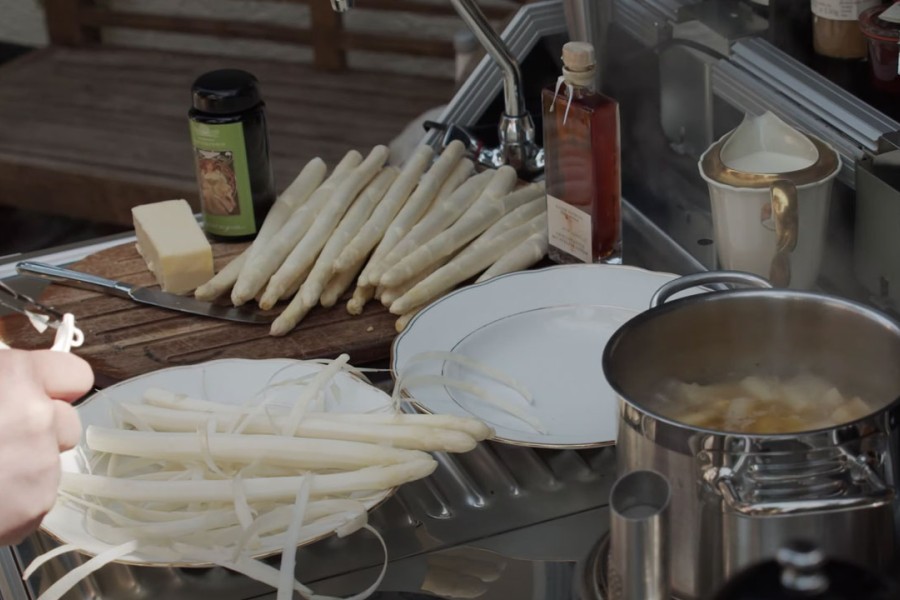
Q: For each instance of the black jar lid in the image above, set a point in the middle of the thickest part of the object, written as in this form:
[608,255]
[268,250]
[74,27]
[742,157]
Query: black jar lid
[801,572]
[226,91]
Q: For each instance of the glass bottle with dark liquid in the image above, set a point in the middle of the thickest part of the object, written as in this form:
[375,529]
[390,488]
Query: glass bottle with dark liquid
[582,172]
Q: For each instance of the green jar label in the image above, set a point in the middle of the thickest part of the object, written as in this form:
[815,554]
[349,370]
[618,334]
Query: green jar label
[220,157]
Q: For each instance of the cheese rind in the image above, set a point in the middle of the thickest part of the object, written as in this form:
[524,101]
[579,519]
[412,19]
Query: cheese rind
[173,245]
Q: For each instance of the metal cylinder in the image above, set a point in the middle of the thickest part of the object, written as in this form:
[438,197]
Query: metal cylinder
[639,551]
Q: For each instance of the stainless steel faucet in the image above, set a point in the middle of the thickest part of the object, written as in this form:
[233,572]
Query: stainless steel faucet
[341,5]
[516,128]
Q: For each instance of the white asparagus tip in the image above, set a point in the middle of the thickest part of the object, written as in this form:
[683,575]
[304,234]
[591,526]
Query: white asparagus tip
[281,326]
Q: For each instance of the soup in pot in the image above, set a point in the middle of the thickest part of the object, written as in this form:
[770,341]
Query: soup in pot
[760,404]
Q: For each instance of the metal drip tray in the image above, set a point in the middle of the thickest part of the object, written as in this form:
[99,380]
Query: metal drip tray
[496,519]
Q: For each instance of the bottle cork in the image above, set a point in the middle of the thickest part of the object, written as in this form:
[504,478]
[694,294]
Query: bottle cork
[578,56]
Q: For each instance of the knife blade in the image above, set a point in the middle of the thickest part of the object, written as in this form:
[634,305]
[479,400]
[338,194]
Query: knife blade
[144,295]
[18,302]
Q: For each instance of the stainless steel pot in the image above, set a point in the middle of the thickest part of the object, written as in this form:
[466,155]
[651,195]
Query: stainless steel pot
[737,497]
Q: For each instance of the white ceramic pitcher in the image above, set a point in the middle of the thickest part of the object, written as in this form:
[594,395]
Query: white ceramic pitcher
[770,187]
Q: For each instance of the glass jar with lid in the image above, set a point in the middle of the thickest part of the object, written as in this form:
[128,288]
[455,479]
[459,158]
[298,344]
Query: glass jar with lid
[883,40]
[836,31]
[231,154]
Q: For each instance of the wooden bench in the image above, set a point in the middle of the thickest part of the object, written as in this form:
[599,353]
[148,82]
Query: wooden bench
[91,129]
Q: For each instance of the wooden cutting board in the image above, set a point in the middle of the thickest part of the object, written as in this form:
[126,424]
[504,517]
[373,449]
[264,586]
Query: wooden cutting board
[124,338]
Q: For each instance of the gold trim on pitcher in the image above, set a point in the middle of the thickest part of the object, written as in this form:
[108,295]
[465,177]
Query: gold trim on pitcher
[718,171]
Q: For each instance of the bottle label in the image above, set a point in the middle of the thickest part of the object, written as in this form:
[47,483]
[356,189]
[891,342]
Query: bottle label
[223,177]
[569,228]
[841,10]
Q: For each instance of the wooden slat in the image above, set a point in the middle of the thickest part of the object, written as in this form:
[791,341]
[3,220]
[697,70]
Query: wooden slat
[101,17]
[76,22]
[442,9]
[353,40]
[65,22]
[154,68]
[425,8]
[326,28]
[94,194]
[118,137]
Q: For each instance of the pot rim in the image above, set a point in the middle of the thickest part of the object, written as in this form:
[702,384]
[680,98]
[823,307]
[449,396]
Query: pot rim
[724,296]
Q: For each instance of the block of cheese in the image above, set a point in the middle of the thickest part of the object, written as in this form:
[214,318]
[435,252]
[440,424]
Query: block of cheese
[173,245]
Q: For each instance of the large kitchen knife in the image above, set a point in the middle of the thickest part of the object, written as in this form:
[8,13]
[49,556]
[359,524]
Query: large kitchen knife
[151,296]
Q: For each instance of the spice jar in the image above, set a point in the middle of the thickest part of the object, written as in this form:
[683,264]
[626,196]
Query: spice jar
[231,154]
[883,39]
[836,31]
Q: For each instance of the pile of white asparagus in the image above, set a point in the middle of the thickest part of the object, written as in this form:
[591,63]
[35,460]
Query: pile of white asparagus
[183,479]
[404,236]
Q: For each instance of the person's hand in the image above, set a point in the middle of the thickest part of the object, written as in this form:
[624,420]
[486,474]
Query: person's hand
[37,422]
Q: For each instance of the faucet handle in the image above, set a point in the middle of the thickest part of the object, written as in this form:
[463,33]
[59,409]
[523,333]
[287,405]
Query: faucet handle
[517,147]
[456,132]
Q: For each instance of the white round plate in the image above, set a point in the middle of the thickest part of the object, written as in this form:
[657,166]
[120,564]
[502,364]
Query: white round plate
[232,381]
[545,328]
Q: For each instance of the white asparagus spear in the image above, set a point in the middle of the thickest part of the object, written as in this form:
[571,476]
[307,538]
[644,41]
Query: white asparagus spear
[416,205]
[293,197]
[494,202]
[263,488]
[311,290]
[307,250]
[301,188]
[222,281]
[459,175]
[404,319]
[474,427]
[514,218]
[527,253]
[293,288]
[439,217]
[349,226]
[361,295]
[340,282]
[299,453]
[388,295]
[253,277]
[466,264]
[296,194]
[373,230]
[409,436]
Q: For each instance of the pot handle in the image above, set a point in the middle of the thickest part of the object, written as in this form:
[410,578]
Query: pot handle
[722,480]
[706,278]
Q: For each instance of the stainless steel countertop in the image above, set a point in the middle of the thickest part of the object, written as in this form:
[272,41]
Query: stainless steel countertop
[533,515]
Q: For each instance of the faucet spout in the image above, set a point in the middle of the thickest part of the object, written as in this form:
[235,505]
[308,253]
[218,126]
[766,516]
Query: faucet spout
[514,105]
[516,129]
[341,6]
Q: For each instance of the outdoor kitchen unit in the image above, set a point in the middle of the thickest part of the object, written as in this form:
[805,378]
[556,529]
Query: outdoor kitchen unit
[693,503]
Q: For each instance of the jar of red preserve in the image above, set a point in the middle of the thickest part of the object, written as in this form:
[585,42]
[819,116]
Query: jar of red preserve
[883,39]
